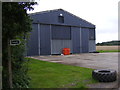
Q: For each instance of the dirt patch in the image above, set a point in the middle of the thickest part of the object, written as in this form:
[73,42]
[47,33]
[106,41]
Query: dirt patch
[87,59]
[72,84]
[56,61]
[109,85]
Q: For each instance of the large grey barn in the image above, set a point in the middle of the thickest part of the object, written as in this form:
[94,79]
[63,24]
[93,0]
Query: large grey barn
[54,30]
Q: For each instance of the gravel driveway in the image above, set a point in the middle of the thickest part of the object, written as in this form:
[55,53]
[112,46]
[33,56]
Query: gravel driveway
[89,60]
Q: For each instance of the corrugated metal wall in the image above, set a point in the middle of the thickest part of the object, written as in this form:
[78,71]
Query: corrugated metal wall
[51,39]
[32,45]
[76,39]
[58,45]
[45,40]
[85,40]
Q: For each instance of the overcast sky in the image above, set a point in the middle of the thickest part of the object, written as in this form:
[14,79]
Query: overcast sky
[102,13]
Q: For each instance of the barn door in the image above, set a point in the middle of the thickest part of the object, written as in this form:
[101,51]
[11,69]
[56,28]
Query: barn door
[45,44]
[85,40]
[76,39]
[61,38]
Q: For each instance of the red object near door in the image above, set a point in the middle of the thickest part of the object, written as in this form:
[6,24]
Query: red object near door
[66,51]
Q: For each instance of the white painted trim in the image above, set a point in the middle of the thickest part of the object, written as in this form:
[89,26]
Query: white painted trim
[38,38]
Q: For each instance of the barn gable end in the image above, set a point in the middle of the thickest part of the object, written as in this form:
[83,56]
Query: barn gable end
[54,30]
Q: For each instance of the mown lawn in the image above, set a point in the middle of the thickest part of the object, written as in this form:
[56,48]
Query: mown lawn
[54,75]
[102,51]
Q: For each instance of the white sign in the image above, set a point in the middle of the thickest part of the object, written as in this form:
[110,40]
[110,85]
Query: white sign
[15,42]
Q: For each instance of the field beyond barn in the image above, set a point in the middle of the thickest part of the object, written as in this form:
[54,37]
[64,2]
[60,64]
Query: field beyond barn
[109,48]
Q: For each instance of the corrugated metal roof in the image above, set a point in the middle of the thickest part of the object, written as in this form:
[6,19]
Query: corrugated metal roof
[49,11]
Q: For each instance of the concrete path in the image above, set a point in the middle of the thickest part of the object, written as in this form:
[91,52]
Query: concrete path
[89,60]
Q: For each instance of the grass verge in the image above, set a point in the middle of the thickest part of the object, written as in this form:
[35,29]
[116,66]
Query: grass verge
[54,75]
[102,51]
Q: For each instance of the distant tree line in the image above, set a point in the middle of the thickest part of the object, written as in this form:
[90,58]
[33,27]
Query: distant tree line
[109,43]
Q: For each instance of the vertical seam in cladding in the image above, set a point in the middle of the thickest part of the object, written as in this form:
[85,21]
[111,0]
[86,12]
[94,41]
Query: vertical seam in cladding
[88,39]
[51,38]
[38,39]
[71,39]
[80,40]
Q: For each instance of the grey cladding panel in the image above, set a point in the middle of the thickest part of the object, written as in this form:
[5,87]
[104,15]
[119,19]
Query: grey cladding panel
[33,41]
[61,32]
[92,46]
[92,34]
[58,45]
[45,41]
[85,40]
[76,39]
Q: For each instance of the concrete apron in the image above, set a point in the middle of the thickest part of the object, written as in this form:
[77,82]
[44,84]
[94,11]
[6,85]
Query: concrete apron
[89,60]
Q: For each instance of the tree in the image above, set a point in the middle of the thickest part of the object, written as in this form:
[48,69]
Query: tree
[16,23]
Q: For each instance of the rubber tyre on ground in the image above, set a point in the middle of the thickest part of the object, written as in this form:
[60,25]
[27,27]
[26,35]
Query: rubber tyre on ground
[104,75]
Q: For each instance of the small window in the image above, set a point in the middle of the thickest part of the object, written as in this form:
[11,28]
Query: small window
[60,19]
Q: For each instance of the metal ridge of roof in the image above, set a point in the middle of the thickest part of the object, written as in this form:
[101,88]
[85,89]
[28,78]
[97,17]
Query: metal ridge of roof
[62,10]
[45,11]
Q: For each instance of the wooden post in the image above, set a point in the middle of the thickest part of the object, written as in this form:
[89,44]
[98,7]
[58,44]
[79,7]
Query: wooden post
[9,65]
